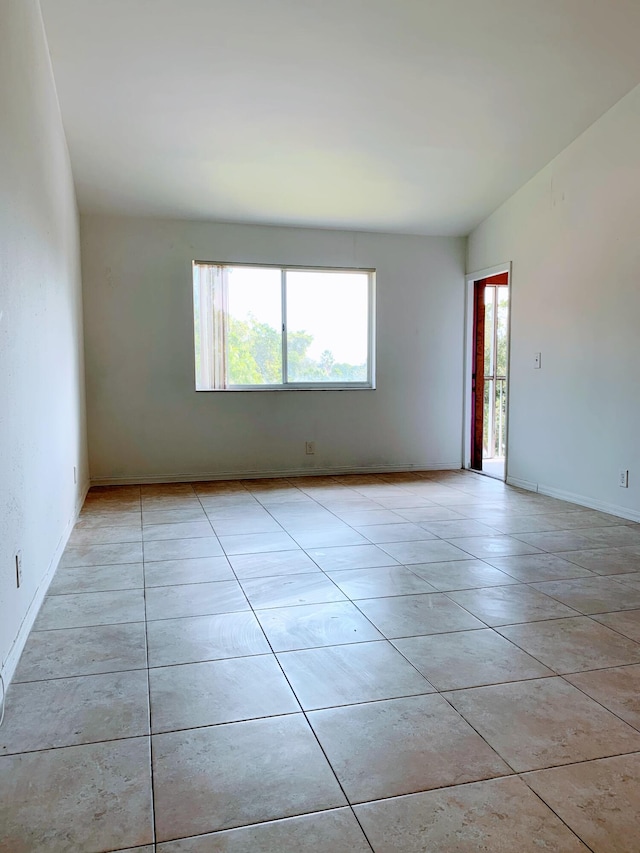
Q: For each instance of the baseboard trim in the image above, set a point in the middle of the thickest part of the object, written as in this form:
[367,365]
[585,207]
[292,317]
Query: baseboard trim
[591,503]
[522,484]
[11,661]
[287,472]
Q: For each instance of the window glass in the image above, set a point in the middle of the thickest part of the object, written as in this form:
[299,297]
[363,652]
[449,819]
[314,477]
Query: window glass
[327,326]
[254,326]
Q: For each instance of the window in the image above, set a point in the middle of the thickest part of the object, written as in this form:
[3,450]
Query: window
[264,327]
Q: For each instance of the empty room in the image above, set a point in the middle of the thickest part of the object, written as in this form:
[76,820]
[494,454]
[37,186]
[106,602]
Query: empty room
[319,407]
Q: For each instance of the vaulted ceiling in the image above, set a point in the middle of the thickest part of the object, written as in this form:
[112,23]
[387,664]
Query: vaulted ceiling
[414,116]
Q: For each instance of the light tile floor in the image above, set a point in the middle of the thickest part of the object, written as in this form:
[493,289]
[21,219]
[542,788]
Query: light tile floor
[401,663]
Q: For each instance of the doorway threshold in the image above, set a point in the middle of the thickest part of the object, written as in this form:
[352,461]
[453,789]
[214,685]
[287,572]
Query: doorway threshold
[494,467]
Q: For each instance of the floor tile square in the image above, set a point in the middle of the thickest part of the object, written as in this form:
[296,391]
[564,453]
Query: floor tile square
[102,555]
[285,498]
[598,800]
[90,797]
[319,522]
[539,567]
[336,831]
[175,516]
[197,599]
[626,623]
[367,517]
[120,512]
[433,551]
[632,579]
[505,605]
[405,532]
[623,534]
[82,651]
[195,570]
[257,543]
[90,608]
[292,590]
[182,549]
[272,564]
[177,530]
[399,746]
[232,775]
[246,525]
[618,689]
[308,626]
[584,519]
[350,557]
[399,503]
[170,502]
[379,582]
[499,815]
[461,574]
[97,578]
[413,615]
[593,595]
[346,675]
[67,711]
[469,659]
[83,536]
[558,540]
[221,691]
[91,520]
[459,528]
[421,514]
[173,491]
[512,525]
[200,638]
[237,496]
[543,723]
[605,561]
[323,537]
[485,547]
[572,645]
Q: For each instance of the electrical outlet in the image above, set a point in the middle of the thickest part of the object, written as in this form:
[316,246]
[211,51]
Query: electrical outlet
[309,447]
[623,479]
[75,474]
[18,569]
[537,360]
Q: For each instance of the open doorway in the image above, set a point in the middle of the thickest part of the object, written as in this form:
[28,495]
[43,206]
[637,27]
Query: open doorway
[489,375]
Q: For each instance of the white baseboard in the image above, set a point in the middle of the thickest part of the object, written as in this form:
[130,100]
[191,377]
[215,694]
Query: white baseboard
[522,484]
[9,666]
[602,506]
[571,497]
[288,472]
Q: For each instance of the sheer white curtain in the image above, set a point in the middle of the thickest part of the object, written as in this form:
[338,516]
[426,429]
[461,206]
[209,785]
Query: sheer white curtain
[211,298]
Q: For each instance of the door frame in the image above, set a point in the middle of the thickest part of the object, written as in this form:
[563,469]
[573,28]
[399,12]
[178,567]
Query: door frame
[469,345]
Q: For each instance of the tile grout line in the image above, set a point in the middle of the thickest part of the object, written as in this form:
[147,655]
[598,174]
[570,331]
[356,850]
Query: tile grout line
[149,710]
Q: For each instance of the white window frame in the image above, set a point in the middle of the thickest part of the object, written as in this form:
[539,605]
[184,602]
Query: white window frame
[367,385]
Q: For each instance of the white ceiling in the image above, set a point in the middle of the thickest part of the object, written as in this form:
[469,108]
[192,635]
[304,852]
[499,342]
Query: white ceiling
[414,116]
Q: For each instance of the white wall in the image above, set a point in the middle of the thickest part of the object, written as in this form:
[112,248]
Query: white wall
[145,418]
[573,235]
[42,430]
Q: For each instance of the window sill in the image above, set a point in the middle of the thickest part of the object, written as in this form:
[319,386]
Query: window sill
[352,386]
